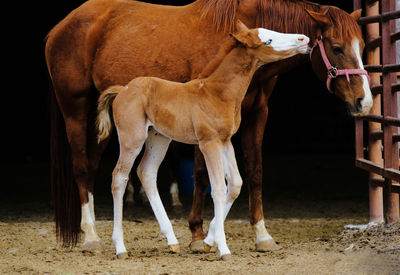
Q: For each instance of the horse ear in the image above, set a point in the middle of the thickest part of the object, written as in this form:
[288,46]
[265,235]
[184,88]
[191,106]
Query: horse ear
[322,19]
[356,14]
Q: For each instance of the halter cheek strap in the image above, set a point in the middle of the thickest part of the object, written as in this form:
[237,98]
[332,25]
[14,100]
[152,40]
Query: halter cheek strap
[334,72]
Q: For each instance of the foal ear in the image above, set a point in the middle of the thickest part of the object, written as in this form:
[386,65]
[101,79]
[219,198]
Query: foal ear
[356,14]
[249,39]
[246,36]
[241,27]
[321,18]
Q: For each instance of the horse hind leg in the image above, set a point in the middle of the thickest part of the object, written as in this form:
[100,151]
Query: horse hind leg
[156,148]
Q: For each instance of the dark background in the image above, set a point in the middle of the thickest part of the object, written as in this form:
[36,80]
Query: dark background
[309,141]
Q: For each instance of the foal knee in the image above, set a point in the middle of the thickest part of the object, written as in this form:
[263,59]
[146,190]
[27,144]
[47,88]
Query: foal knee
[234,188]
[219,193]
[119,182]
[148,180]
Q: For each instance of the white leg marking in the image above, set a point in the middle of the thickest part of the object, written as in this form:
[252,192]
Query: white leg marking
[367,102]
[87,221]
[261,232]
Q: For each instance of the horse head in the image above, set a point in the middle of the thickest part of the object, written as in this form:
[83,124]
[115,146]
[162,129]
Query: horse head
[336,58]
[270,46]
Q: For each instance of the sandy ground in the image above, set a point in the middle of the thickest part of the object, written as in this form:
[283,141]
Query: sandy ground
[311,235]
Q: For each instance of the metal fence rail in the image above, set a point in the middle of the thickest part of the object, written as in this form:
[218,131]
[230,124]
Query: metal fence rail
[383,135]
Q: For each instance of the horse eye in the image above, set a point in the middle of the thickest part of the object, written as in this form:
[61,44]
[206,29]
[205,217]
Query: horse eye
[268,42]
[337,50]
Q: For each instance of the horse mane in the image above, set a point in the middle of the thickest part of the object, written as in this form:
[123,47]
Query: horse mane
[270,14]
[222,13]
[223,51]
[346,27]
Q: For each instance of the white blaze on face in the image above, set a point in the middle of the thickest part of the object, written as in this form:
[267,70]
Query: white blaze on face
[283,41]
[367,101]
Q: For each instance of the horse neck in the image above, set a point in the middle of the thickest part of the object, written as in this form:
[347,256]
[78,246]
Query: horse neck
[232,77]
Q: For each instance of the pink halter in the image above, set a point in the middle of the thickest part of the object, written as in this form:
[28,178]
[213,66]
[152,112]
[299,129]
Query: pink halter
[334,72]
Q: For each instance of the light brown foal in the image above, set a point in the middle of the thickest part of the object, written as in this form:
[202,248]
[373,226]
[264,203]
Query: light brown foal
[204,111]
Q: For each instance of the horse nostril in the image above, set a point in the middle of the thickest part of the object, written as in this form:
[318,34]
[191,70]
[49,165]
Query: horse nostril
[359,104]
[300,38]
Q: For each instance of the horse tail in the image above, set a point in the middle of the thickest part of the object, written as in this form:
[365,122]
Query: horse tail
[104,124]
[64,191]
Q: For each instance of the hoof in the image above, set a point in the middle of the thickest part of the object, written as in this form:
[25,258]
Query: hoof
[122,255]
[177,209]
[226,257]
[174,248]
[267,245]
[207,248]
[93,246]
[197,246]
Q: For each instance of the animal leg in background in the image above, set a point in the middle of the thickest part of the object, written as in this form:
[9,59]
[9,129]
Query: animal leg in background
[253,126]
[156,148]
[234,181]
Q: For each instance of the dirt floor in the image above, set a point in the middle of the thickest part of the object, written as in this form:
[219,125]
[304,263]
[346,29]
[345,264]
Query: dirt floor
[311,235]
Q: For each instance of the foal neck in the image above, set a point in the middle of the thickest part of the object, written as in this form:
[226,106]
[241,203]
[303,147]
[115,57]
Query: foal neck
[231,78]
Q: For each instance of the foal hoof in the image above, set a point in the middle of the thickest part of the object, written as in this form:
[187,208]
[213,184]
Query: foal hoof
[207,248]
[267,245]
[93,246]
[122,255]
[197,246]
[174,248]
[226,257]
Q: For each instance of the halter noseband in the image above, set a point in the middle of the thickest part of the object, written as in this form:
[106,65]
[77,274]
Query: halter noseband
[333,72]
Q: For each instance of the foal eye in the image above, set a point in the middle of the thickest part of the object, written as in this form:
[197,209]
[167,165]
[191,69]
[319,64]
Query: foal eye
[268,42]
[337,50]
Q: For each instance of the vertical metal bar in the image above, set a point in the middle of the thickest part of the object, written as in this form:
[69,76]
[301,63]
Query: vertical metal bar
[374,146]
[389,108]
[356,4]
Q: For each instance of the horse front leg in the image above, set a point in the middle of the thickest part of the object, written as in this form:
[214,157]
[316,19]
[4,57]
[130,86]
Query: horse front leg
[201,182]
[212,151]
[253,126]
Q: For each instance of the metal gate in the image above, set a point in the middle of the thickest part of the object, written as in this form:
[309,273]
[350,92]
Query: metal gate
[377,135]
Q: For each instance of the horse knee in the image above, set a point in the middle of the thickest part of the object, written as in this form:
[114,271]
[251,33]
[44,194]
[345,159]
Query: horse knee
[148,180]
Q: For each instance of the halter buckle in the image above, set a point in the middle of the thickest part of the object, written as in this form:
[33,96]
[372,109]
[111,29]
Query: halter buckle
[333,72]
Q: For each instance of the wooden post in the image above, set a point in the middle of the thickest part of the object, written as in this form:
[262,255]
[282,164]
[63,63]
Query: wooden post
[375,145]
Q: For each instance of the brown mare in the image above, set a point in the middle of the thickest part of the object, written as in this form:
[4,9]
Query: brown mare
[204,111]
[110,42]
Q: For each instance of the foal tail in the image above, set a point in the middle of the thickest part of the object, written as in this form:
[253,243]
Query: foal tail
[104,124]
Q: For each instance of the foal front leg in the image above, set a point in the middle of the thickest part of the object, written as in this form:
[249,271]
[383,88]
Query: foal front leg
[212,151]
[234,181]
[156,148]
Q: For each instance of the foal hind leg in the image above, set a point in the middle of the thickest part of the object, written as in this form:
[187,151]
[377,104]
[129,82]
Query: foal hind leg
[131,143]
[234,181]
[156,148]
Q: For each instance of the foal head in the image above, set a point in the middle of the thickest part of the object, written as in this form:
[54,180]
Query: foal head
[336,58]
[270,46]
